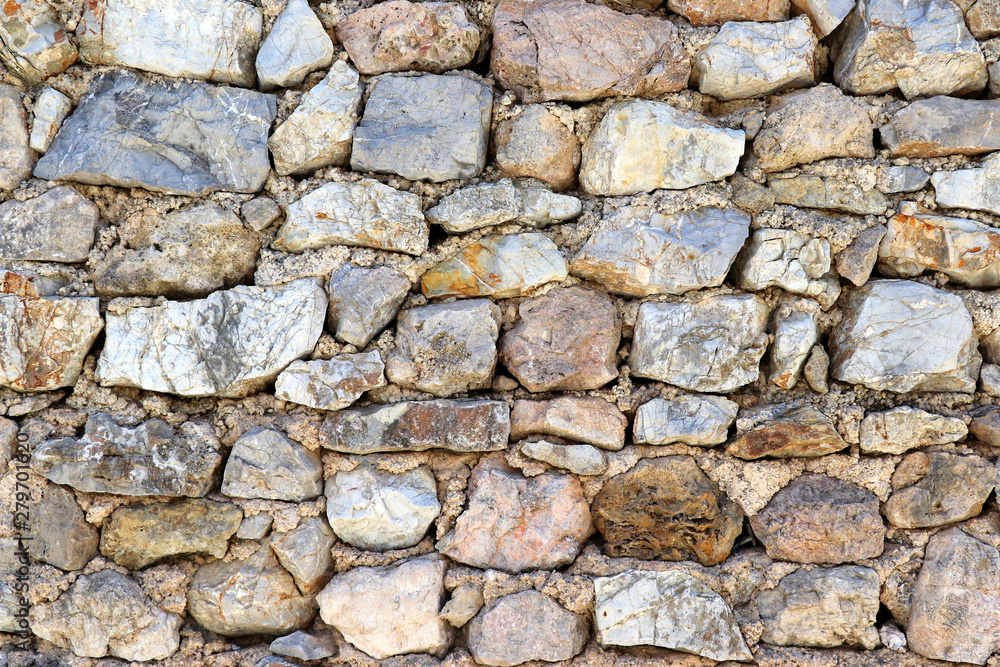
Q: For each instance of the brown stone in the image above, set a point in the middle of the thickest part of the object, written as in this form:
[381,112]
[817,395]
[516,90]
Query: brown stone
[800,431]
[581,419]
[538,144]
[934,488]
[717,12]
[666,509]
[943,126]
[986,426]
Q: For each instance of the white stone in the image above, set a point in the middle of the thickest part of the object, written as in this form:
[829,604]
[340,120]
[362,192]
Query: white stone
[57,226]
[975,189]
[901,429]
[785,258]
[51,108]
[330,384]
[297,45]
[578,459]
[796,331]
[266,464]
[477,206]
[305,552]
[543,207]
[826,15]
[702,421]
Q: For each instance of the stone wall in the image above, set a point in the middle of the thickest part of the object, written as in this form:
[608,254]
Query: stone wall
[437,334]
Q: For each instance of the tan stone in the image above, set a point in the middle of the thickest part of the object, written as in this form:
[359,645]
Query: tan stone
[800,431]
[943,126]
[717,12]
[932,489]
[538,144]
[16,158]
[586,419]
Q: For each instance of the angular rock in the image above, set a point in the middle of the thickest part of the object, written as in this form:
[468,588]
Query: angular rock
[29,282]
[266,464]
[792,261]
[363,301]
[717,12]
[297,45]
[331,384]
[305,553]
[33,42]
[305,646]
[826,15]
[702,421]
[526,626]
[796,331]
[943,126]
[51,109]
[898,335]
[641,145]
[136,537]
[713,345]
[59,532]
[578,459]
[828,193]
[904,428]
[58,226]
[254,527]
[857,260]
[989,379]
[542,207]
[514,523]
[983,19]
[16,158]
[587,419]
[973,189]
[465,602]
[477,206]
[985,425]
[818,519]
[538,144]
[816,369]
[175,138]
[891,180]
[640,252]
[260,212]
[932,489]
[230,344]
[430,127]
[669,609]
[796,432]
[377,510]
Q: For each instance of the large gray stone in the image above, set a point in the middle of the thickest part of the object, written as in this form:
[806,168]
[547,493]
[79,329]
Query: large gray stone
[526,626]
[477,206]
[785,258]
[943,126]
[974,189]
[702,421]
[34,44]
[57,226]
[363,301]
[297,45]
[266,464]
[330,384]
[16,158]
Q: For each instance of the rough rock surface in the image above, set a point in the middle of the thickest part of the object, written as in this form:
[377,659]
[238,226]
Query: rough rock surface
[51,109]
[331,384]
[465,603]
[796,431]
[713,12]
[305,646]
[785,258]
[363,301]
[266,464]
[538,144]
[856,261]
[297,45]
[826,15]
[690,419]
[895,179]
[578,459]
[526,626]
[305,552]
[796,332]
[973,189]
[932,489]
[477,206]
[828,193]
[16,158]
[901,429]
[586,419]
[943,126]
[58,226]
[33,43]
[60,535]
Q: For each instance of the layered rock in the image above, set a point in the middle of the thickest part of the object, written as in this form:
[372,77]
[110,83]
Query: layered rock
[297,45]
[828,193]
[33,43]
[58,226]
[265,464]
[943,126]
[363,301]
[586,419]
[795,431]
[538,144]
[690,419]
[526,626]
[785,258]
[932,489]
[331,384]
[904,428]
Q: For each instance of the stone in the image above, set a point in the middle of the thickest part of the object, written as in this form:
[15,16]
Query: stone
[107,613]
[901,429]
[253,596]
[297,45]
[809,125]
[798,431]
[230,344]
[516,523]
[565,340]
[796,332]
[254,527]
[819,519]
[638,251]
[642,145]
[943,126]
[972,189]
[29,282]
[57,226]
[175,138]
[34,44]
[985,425]
[136,537]
[260,212]
[932,489]
[400,36]
[856,261]
[712,345]
[824,607]
[826,15]
[899,179]
[465,603]
[542,207]
[363,301]
[690,419]
[669,609]
[477,206]
[892,637]
[666,509]
[457,426]
[355,603]
[501,267]
[795,262]
[538,144]
[816,369]
[305,552]
[526,626]
[16,158]
[265,464]
[152,459]
[577,51]
[365,213]
[750,59]
[431,127]
[828,193]
[8,441]
[989,379]
[376,510]
[882,340]
[59,532]
[331,384]
[445,348]
[715,12]
[51,109]
[578,459]
[983,19]
[305,646]
[187,253]
[588,419]
[320,131]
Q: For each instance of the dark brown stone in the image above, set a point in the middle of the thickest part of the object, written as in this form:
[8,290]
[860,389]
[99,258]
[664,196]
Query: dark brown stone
[800,432]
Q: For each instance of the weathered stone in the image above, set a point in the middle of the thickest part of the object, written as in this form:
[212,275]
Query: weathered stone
[297,45]
[898,335]
[477,206]
[107,613]
[321,129]
[33,42]
[28,282]
[577,51]
[702,421]
[749,59]
[578,459]
[587,419]
[16,158]
[818,519]
[458,426]
[538,144]
[641,145]
[796,331]
[542,207]
[943,126]
[985,425]
[254,596]
[712,345]
[830,193]
[255,527]
[857,260]
[895,179]
[260,212]
[666,509]
[989,379]
[638,251]
[983,19]
[305,646]
[526,626]
[717,12]
[330,384]
[826,15]
[430,127]
[59,534]
[136,537]
[355,602]
[51,109]
[824,607]
[153,459]
[363,301]
[445,348]
[465,603]
[231,344]
[792,261]
[8,439]
[373,509]
[515,523]
[176,138]
[816,369]
[973,189]
[671,609]
[305,553]
[808,125]
[58,226]
[795,432]
[932,489]
[266,464]
[904,428]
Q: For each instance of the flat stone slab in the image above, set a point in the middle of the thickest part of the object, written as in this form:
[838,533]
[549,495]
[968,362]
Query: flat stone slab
[796,431]
[943,126]
[690,419]
[588,419]
[973,189]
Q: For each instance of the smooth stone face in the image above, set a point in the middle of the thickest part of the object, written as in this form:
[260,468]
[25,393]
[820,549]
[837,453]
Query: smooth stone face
[702,421]
[796,331]
[58,226]
[785,258]
[297,45]
[260,212]
[153,459]
[797,432]
[266,464]
[901,429]
[587,419]
[254,527]
[577,51]
[305,553]
[516,524]
[641,145]
[932,489]
[231,344]
[377,510]
[973,189]
[639,252]
[894,179]
[477,206]
[465,602]
[363,301]
[666,509]
[355,602]
[713,345]
[882,341]
[538,144]
[51,109]
[943,126]
[857,260]
[526,626]
[16,158]
[430,127]
[825,607]
[331,384]
[60,535]
[668,609]
[34,45]
[818,519]
[828,193]
[305,646]
[826,15]
[717,12]
[578,459]
[136,537]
